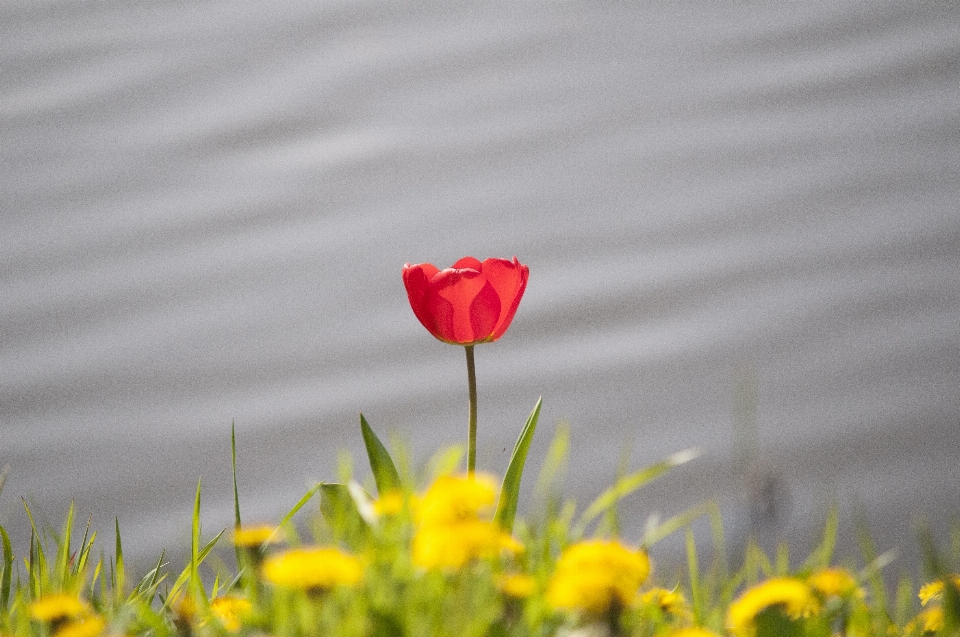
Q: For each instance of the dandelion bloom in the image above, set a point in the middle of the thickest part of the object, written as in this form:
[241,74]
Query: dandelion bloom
[312,568]
[90,626]
[453,546]
[517,585]
[834,582]
[254,536]
[693,631]
[229,610]
[794,596]
[929,620]
[453,499]
[388,504]
[933,591]
[58,606]
[594,575]
[471,302]
[671,602]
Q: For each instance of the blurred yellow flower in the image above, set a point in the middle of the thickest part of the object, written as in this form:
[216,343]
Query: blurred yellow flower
[693,631]
[255,536]
[230,610]
[90,626]
[835,581]
[933,591]
[670,602]
[452,499]
[517,585]
[793,595]
[451,546]
[593,575]
[312,568]
[58,606]
[929,620]
[390,503]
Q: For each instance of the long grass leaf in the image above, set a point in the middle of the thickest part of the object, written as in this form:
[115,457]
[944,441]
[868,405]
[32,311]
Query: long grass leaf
[658,531]
[63,550]
[384,470]
[236,491]
[627,485]
[299,505]
[510,488]
[7,571]
[121,574]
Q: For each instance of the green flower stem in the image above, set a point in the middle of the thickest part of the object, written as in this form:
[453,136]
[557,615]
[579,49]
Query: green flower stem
[472,435]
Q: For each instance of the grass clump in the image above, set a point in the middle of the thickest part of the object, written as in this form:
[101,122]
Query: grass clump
[447,555]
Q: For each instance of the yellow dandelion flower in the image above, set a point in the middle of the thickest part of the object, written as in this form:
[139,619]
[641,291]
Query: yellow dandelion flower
[933,591]
[230,610]
[671,602]
[793,595]
[451,546]
[693,631]
[388,504]
[312,568]
[517,585]
[930,591]
[453,499]
[593,575]
[929,620]
[58,606]
[90,626]
[255,536]
[837,582]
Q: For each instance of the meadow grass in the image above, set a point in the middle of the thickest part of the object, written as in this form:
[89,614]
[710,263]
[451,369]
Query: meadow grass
[438,552]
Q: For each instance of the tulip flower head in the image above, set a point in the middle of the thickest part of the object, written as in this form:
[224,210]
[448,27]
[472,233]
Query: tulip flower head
[469,303]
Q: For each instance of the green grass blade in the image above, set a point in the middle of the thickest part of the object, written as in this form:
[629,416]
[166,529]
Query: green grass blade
[821,556]
[63,551]
[510,488]
[299,505]
[7,571]
[340,511]
[37,566]
[196,586]
[656,532]
[118,586]
[627,485]
[236,491]
[384,470]
[693,570]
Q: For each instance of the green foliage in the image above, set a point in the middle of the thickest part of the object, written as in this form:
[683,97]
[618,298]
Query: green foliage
[383,580]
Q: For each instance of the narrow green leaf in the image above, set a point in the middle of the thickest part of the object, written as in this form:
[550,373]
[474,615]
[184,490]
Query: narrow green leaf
[384,470]
[693,569]
[120,583]
[299,505]
[236,491]
[657,530]
[340,510]
[63,552]
[196,586]
[510,489]
[7,570]
[821,556]
[627,485]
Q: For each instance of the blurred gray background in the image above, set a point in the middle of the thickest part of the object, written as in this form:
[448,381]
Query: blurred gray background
[206,206]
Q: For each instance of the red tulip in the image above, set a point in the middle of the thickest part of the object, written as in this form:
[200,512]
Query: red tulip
[469,303]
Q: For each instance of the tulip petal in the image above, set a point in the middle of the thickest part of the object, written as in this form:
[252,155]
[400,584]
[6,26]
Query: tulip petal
[509,279]
[468,263]
[464,307]
[416,279]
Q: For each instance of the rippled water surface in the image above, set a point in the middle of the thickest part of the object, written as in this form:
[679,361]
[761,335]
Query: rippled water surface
[206,206]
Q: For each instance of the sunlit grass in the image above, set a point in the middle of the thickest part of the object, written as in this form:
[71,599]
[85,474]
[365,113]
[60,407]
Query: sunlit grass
[447,554]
